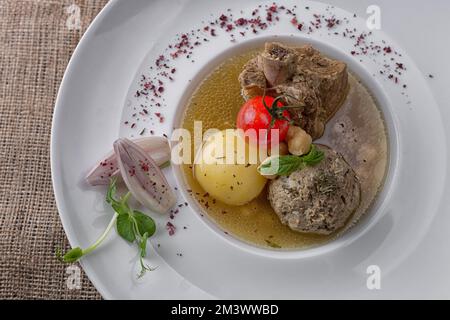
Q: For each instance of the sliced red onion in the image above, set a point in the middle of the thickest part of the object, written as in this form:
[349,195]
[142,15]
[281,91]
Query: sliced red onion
[143,177]
[101,174]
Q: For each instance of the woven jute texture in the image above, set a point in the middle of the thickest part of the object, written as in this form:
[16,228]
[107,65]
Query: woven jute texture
[36,43]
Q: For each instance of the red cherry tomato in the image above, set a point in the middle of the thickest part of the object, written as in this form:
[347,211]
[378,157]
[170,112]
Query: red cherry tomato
[254,115]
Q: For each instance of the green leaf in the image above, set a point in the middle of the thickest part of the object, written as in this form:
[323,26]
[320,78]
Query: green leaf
[285,165]
[125,227]
[313,157]
[281,165]
[73,255]
[132,225]
[145,224]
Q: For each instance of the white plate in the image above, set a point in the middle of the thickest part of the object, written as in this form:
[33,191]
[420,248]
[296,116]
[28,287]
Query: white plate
[98,95]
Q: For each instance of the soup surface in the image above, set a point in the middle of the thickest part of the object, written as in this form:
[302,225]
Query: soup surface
[357,131]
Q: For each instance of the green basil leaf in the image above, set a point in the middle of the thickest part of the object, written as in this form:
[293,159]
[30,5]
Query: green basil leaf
[145,224]
[281,165]
[285,165]
[125,227]
[313,157]
[289,164]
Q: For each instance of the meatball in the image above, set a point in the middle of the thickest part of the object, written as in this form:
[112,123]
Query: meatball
[317,199]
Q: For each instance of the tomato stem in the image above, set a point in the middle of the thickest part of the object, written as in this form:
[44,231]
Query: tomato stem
[275,111]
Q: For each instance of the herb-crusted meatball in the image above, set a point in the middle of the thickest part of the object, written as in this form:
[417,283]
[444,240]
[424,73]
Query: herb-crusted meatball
[317,199]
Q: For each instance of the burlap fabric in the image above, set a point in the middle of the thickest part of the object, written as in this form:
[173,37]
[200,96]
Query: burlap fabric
[35,47]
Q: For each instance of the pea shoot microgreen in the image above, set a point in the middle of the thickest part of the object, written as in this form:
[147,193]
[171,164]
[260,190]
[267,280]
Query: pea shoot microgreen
[132,225]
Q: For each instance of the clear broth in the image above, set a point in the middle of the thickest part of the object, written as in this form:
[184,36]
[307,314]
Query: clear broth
[357,131]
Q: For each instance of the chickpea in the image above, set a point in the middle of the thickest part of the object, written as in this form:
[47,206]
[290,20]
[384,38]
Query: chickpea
[319,128]
[282,149]
[299,142]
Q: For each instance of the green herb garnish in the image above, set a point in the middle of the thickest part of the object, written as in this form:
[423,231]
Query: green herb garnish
[132,225]
[285,165]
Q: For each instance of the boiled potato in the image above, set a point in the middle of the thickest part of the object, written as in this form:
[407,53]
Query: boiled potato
[225,173]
